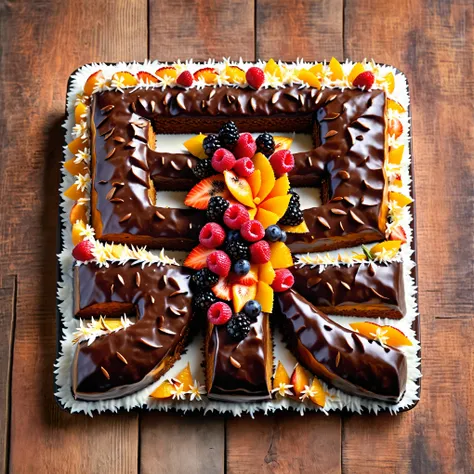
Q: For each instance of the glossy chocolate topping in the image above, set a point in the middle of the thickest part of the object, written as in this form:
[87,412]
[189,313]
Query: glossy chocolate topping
[344,358]
[125,361]
[359,290]
[240,369]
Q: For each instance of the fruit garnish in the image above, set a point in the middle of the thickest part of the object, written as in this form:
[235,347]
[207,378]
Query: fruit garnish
[255,181]
[282,162]
[241,294]
[204,278]
[397,182]
[336,70]
[316,393]
[229,135]
[78,213]
[244,167]
[211,144]
[265,143]
[216,207]
[219,263]
[266,273]
[203,299]
[195,146]
[91,82]
[399,199]
[310,78]
[75,192]
[248,278]
[281,187]
[76,168]
[184,377]
[239,188]
[357,69]
[394,127]
[241,268]
[163,391]
[273,68]
[281,377]
[389,248]
[239,326]
[77,145]
[255,77]
[235,216]
[299,379]
[282,143]
[223,160]
[273,233]
[283,281]
[167,71]
[83,251]
[124,79]
[80,112]
[235,74]
[212,235]
[252,231]
[393,105]
[265,296]
[365,80]
[260,252]
[281,255]
[385,334]
[396,338]
[223,289]
[237,250]
[317,70]
[252,309]
[197,258]
[398,233]
[296,229]
[219,313]
[267,218]
[389,80]
[77,232]
[185,79]
[261,163]
[147,77]
[200,194]
[278,205]
[395,155]
[245,146]
[207,74]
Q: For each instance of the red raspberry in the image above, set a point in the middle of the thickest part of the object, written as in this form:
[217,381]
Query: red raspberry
[245,146]
[255,77]
[260,252]
[235,215]
[219,313]
[282,162]
[185,79]
[222,160]
[252,231]
[212,235]
[219,263]
[364,80]
[83,251]
[244,167]
[283,280]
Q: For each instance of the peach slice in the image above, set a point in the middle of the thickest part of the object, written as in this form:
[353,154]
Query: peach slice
[317,70]
[266,273]
[392,336]
[278,205]
[390,246]
[296,229]
[241,294]
[310,78]
[252,213]
[366,328]
[396,338]
[397,182]
[125,78]
[255,181]
[357,69]
[77,228]
[395,155]
[299,379]
[336,69]
[266,218]
[195,147]
[399,198]
[77,145]
[394,127]
[169,71]
[282,143]
[92,82]
[265,296]
[394,105]
[239,188]
[185,377]
[281,255]
[235,74]
[319,397]
[261,163]
[78,213]
[273,68]
[165,390]
[113,323]
[80,112]
[389,79]
[281,187]
[360,257]
[147,77]
[76,168]
[74,193]
[207,74]
[281,376]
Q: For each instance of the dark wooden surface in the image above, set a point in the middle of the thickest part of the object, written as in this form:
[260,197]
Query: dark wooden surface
[44,41]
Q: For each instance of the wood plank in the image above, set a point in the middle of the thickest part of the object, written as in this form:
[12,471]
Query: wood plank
[202,29]
[7,328]
[43,42]
[429,44]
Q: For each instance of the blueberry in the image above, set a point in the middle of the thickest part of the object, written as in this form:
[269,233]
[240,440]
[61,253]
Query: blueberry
[242,267]
[283,236]
[273,233]
[252,309]
[233,236]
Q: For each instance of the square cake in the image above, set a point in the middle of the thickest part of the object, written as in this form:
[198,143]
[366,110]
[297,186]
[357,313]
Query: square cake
[237,237]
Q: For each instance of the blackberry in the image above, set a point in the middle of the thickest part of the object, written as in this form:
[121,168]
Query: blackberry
[203,300]
[204,278]
[238,326]
[237,250]
[265,144]
[203,169]
[228,135]
[216,207]
[295,197]
[292,216]
[210,144]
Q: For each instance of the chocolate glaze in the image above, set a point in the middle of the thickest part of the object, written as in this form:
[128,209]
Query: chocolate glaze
[160,297]
[375,290]
[343,358]
[251,381]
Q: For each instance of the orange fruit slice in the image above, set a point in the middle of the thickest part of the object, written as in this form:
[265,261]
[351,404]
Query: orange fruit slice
[74,193]
[391,246]
[77,228]
[241,294]
[266,218]
[273,68]
[168,71]
[92,82]
[281,376]
[299,379]
[80,112]
[76,168]
[310,78]
[185,377]
[126,78]
[195,147]
[78,213]
[239,188]
[265,296]
[266,273]
[281,255]
[261,163]
[78,144]
[319,397]
[235,74]
[317,70]
[280,188]
[394,105]
[296,229]
[336,69]
[395,155]
[357,69]
[389,79]
[165,390]
[282,143]
[399,198]
[255,181]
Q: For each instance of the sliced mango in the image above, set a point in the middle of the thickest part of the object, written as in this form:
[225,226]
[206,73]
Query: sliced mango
[394,105]
[277,205]
[395,155]
[195,147]
[336,69]
[241,294]
[80,112]
[282,143]
[319,396]
[310,78]
[273,68]
[317,70]
[265,296]
[296,229]
[74,193]
[281,255]
[239,188]
[126,78]
[281,376]
[76,168]
[78,213]
[399,198]
[281,187]
[255,181]
[78,144]
[92,82]
[77,229]
[235,74]
[389,79]
[357,69]
[167,71]
[392,336]
[165,390]
[185,377]
[261,163]
[266,273]
[266,218]
[391,246]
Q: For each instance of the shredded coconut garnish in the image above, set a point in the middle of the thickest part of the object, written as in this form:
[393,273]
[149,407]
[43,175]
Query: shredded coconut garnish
[166,81]
[195,391]
[82,156]
[283,389]
[82,182]
[90,331]
[384,255]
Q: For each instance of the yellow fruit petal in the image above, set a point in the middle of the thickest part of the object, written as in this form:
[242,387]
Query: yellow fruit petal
[281,255]
[281,188]
[268,176]
[165,390]
[167,71]
[281,376]
[78,144]
[273,68]
[194,146]
[282,143]
[389,79]
[255,181]
[76,168]
[395,337]
[252,213]
[396,154]
[278,205]
[296,229]
[366,328]
[239,188]
[77,228]
[392,246]
[319,397]
[266,218]
[336,69]
[79,112]
[126,78]
[74,193]
[78,213]
[185,377]
[309,78]
[393,105]
[266,273]
[265,296]
[399,198]
[241,294]
[357,69]
[317,70]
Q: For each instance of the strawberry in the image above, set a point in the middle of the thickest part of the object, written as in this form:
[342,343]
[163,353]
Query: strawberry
[282,162]
[260,252]
[398,233]
[197,258]
[244,167]
[251,278]
[185,79]
[255,77]
[219,263]
[252,231]
[83,251]
[365,80]
[245,146]
[146,77]
[219,313]
[223,289]
[200,194]
[223,160]
[235,215]
[212,235]
[283,281]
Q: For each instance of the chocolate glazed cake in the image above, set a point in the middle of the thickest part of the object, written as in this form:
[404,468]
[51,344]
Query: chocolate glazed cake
[345,359]
[125,361]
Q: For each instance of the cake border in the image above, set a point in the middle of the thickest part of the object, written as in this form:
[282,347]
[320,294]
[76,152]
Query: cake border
[416,324]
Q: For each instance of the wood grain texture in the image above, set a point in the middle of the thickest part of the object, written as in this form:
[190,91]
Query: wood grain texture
[433,45]
[202,29]
[299,29]
[43,42]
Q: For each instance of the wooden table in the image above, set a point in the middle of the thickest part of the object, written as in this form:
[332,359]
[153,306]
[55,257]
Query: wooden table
[44,41]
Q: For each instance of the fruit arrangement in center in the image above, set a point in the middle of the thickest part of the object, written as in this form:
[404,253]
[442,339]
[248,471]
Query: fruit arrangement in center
[242,258]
